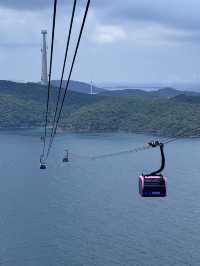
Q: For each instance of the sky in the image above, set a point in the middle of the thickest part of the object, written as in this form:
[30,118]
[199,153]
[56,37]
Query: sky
[132,41]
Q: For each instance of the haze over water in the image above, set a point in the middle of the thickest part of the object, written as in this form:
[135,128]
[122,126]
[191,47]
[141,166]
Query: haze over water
[89,212]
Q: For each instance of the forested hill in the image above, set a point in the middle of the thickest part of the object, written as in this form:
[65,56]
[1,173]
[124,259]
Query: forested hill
[160,93]
[79,86]
[23,105]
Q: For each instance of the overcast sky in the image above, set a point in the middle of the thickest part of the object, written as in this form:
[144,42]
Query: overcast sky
[124,41]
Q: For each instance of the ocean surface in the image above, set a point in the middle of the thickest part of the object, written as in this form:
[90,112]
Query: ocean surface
[88,212]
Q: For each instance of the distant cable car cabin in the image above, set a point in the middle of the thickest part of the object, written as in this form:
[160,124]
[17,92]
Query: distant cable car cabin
[66,157]
[154,184]
[42,163]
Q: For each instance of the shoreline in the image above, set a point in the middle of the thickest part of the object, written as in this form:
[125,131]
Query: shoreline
[83,131]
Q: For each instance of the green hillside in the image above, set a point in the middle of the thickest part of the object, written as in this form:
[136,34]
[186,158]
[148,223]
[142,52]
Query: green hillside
[78,86]
[136,114]
[23,105]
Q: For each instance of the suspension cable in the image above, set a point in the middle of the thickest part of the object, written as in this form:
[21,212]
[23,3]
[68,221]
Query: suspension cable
[49,81]
[63,69]
[139,149]
[183,134]
[69,77]
[135,150]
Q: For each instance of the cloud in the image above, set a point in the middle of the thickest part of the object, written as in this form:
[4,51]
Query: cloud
[140,31]
[24,4]
[147,21]
[109,34]
[42,4]
[174,14]
[179,14]
[17,30]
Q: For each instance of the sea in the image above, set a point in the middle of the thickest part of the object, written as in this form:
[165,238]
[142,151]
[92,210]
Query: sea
[88,212]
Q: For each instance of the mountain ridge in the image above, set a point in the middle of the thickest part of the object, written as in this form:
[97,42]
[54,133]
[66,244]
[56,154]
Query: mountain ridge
[78,86]
[166,92]
[23,105]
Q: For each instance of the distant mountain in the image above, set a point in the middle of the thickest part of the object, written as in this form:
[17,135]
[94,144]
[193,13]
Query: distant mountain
[126,92]
[78,86]
[187,99]
[183,86]
[161,93]
[171,92]
[23,105]
[166,92]
[38,92]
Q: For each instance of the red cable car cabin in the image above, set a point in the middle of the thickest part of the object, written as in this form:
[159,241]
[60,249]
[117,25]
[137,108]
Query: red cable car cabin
[154,184]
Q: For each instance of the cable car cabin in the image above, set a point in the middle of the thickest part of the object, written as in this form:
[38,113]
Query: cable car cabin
[65,160]
[66,157]
[154,184]
[43,166]
[42,163]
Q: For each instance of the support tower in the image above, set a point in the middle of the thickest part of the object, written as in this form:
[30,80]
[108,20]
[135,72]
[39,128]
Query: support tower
[91,87]
[44,77]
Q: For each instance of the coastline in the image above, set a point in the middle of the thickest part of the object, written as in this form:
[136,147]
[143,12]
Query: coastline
[62,130]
